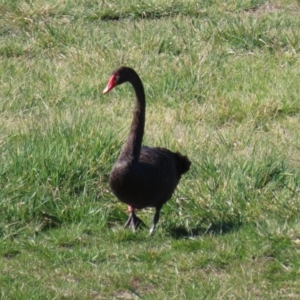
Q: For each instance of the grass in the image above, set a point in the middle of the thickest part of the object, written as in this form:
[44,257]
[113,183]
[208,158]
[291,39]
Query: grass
[222,86]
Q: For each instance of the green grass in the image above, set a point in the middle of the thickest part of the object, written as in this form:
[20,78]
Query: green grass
[222,86]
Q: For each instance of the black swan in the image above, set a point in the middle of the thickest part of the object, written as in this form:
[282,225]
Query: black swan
[143,176]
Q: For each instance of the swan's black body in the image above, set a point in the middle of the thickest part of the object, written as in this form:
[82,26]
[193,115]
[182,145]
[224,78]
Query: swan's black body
[142,176]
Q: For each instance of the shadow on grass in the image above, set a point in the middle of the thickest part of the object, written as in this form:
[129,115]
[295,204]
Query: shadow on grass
[150,15]
[149,12]
[218,228]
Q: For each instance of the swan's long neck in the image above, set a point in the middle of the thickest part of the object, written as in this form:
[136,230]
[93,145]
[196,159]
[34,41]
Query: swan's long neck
[132,148]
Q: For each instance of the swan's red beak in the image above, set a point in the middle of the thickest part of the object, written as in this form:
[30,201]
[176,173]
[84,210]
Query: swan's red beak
[111,84]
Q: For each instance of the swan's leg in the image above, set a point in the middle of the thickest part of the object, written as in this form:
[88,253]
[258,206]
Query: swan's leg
[128,222]
[133,221]
[155,219]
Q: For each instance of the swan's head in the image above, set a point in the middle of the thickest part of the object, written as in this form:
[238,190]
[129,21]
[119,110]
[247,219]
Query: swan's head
[118,77]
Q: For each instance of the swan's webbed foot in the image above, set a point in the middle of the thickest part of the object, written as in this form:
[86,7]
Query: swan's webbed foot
[134,222]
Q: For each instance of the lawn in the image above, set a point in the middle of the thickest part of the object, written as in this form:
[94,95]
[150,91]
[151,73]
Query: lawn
[222,86]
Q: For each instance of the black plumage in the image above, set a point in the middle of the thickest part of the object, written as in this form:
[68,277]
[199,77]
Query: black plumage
[143,176]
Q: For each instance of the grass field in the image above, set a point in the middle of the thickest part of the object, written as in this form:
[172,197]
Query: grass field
[222,80]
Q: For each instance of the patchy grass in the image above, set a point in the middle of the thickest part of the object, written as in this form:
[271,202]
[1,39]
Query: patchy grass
[222,86]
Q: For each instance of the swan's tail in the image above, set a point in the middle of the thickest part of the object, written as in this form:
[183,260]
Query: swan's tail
[183,163]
